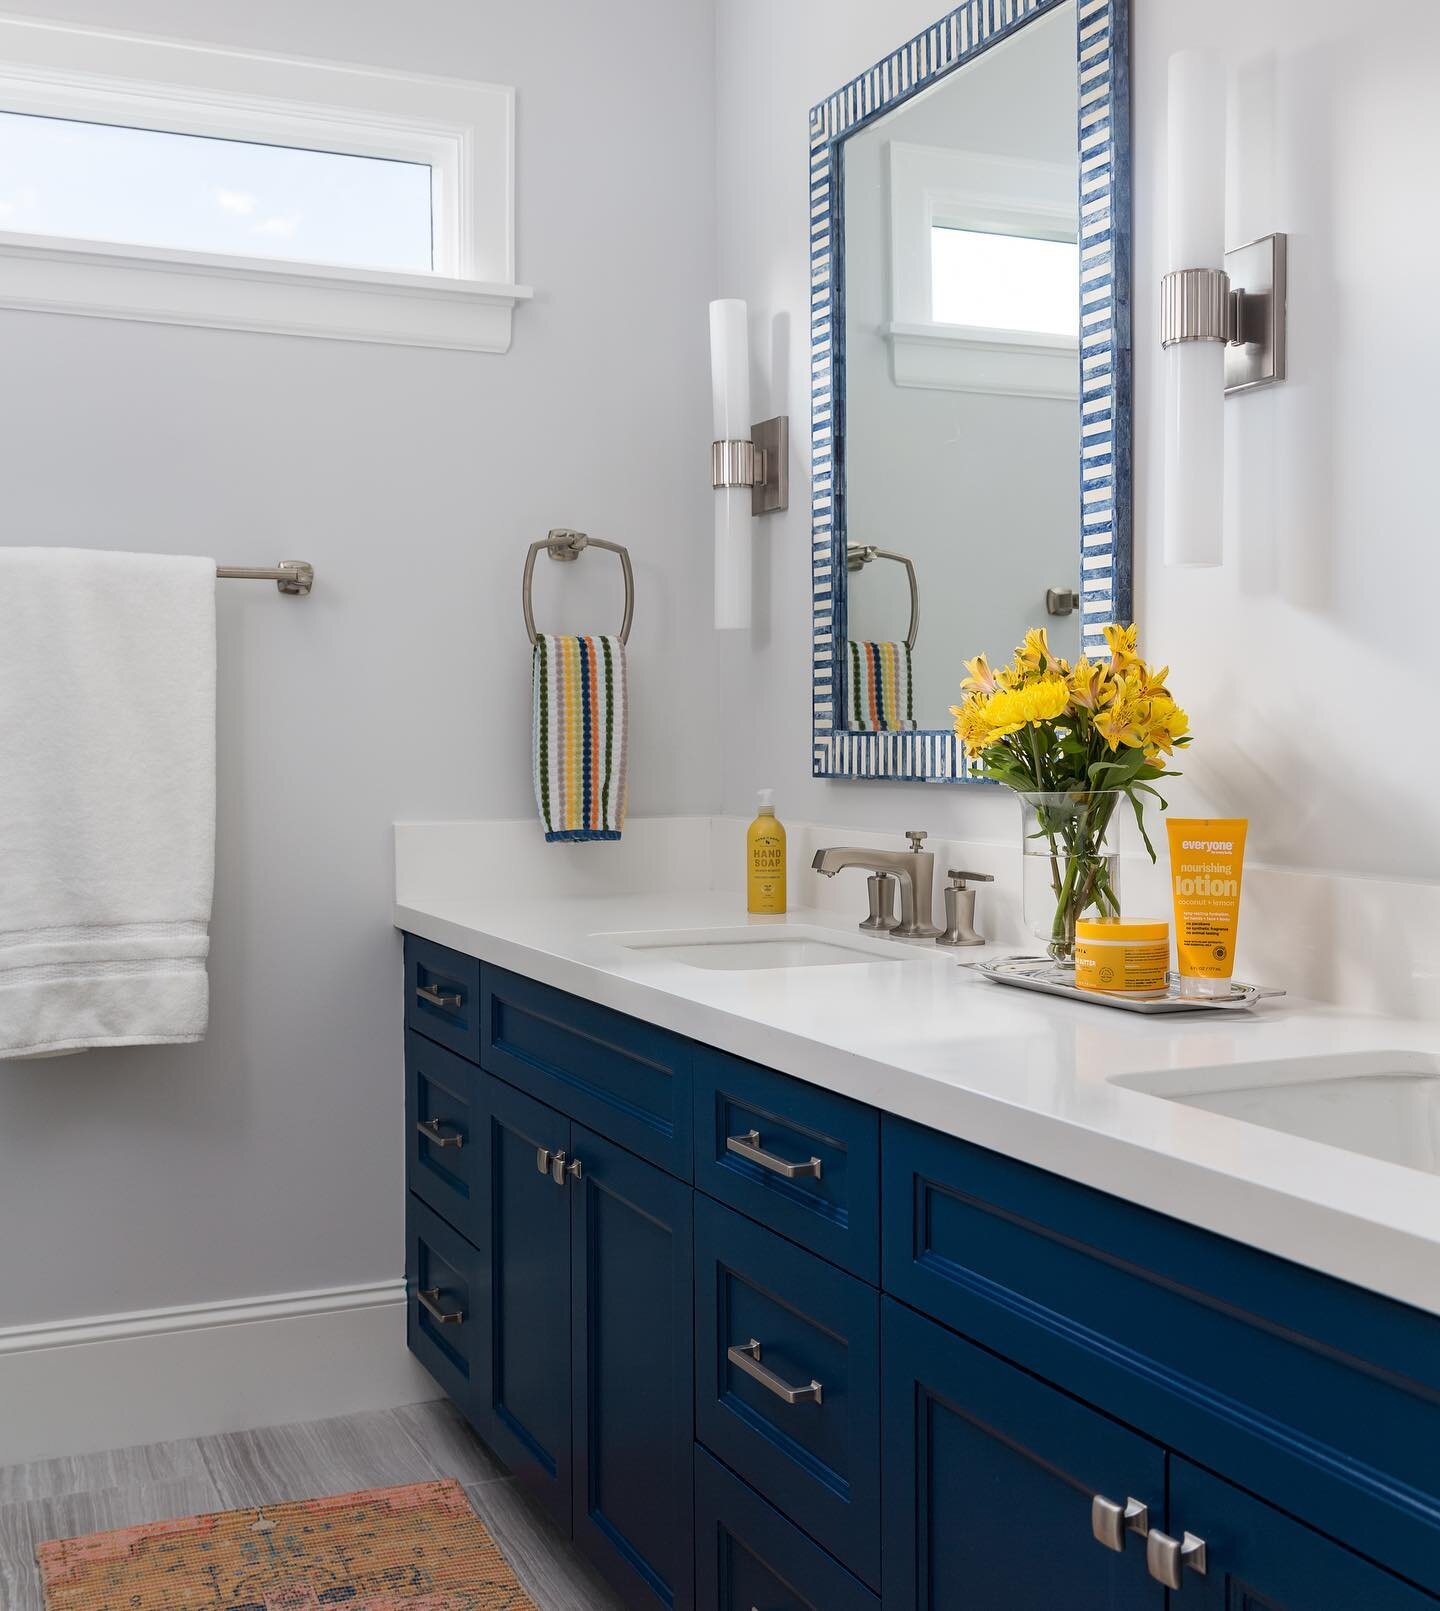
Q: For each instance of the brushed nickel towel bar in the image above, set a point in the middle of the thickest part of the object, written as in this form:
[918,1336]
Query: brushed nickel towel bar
[566,545]
[293,576]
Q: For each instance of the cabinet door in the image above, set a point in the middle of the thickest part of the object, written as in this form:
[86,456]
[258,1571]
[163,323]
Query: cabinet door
[989,1478]
[633,1350]
[1257,1559]
[523,1232]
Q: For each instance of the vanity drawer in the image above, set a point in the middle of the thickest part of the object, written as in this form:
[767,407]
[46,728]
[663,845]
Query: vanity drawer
[747,1555]
[443,1286]
[624,1079]
[773,1321]
[797,1158]
[1318,1397]
[442,1146]
[442,996]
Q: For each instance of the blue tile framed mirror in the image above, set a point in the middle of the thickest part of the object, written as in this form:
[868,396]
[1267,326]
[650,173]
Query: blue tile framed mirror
[971,369]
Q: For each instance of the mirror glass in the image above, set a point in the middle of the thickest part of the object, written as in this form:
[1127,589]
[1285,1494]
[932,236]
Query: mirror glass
[961,498]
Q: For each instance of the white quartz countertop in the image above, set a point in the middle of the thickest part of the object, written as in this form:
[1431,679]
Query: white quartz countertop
[1026,1075]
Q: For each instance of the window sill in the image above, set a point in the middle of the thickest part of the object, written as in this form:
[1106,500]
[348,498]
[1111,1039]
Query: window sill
[46,274]
[960,358]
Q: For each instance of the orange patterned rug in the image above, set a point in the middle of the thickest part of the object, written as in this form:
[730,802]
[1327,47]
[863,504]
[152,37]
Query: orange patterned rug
[419,1548]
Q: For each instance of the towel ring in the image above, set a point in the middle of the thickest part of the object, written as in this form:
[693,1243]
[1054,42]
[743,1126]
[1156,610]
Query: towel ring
[859,555]
[567,545]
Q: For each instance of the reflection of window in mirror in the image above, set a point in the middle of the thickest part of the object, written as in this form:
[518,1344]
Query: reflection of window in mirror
[1004,282]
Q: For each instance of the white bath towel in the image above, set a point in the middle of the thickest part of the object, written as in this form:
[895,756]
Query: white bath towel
[107,798]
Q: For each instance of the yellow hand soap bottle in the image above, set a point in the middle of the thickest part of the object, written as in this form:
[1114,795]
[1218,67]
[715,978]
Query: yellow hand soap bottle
[765,859]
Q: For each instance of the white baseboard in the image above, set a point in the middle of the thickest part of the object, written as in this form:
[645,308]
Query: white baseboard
[107,1381]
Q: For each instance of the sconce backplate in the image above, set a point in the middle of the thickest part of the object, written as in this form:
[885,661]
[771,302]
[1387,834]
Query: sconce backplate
[1256,357]
[772,439]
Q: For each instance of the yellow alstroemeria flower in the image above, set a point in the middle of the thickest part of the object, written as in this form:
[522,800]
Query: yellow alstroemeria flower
[1091,686]
[981,679]
[1123,722]
[1121,643]
[1165,723]
[1035,654]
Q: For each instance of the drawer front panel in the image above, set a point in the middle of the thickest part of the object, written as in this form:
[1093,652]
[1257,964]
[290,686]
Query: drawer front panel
[442,1137]
[801,1160]
[1246,1363]
[787,1380]
[443,1277]
[626,1080]
[442,996]
[747,1555]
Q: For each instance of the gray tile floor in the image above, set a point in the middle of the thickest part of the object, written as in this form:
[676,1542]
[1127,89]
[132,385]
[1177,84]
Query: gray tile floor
[422,1442]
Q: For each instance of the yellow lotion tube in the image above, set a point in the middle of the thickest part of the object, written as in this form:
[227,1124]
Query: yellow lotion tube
[1207,857]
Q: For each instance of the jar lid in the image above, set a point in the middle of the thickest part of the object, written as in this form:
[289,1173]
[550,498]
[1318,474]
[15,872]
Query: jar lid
[1122,928]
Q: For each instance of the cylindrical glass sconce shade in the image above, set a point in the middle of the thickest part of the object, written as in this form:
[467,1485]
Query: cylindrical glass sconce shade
[1195,370]
[734,524]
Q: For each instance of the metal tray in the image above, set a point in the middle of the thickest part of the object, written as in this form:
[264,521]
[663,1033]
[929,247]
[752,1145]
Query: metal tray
[1053,979]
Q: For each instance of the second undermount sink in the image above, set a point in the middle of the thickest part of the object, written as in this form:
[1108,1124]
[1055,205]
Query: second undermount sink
[736,950]
[1381,1104]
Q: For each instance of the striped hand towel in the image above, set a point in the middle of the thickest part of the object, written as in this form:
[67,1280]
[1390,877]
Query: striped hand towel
[580,736]
[882,688]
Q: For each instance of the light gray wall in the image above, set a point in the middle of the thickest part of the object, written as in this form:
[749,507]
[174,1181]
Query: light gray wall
[981,490]
[1290,656]
[269,1159]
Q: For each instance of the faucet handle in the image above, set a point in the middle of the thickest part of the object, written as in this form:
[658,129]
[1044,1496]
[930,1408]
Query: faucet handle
[958,878]
[917,837]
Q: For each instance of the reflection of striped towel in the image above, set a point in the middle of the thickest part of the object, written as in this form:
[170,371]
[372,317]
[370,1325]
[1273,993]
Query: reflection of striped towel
[580,723]
[882,689]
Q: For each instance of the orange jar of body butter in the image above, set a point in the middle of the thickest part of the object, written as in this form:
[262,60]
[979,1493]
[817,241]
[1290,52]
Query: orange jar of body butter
[1122,956]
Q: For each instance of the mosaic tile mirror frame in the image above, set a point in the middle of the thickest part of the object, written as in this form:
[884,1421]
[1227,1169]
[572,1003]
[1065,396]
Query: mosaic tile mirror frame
[879,711]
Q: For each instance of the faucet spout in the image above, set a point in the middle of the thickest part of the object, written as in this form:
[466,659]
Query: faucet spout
[915,869]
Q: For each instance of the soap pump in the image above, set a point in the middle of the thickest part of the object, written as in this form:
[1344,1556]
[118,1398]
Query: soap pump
[765,859]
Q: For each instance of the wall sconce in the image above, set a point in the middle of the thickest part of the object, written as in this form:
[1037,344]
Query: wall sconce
[749,464]
[1223,329]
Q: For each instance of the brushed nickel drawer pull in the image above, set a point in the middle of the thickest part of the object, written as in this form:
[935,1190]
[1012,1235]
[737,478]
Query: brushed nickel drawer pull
[429,1300]
[748,1146]
[1166,1558]
[1111,1522]
[746,1357]
[542,1160]
[438,998]
[561,1165]
[430,1129]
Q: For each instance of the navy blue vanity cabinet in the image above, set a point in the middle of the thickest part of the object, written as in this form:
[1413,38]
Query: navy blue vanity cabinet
[756,1345]
[1322,1399]
[632,1356]
[990,1479]
[621,1078]
[522,1226]
[748,1556]
[799,1159]
[787,1381]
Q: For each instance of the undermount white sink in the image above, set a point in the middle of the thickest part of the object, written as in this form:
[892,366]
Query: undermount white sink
[736,950]
[1382,1104]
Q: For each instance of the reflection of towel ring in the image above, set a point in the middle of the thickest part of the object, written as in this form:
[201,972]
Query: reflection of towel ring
[859,555]
[568,545]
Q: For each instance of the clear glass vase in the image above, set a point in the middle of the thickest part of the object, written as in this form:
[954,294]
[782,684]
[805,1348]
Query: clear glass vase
[1071,864]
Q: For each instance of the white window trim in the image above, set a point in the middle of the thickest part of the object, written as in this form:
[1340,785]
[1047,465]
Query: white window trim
[932,185]
[464,130]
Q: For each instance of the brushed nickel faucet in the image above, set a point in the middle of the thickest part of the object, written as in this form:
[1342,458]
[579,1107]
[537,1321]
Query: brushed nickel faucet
[914,868]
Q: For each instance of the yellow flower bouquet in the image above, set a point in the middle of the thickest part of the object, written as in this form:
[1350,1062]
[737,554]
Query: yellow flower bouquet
[1072,742]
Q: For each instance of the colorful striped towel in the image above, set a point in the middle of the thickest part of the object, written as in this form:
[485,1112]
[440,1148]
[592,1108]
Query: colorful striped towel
[882,688]
[580,731]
